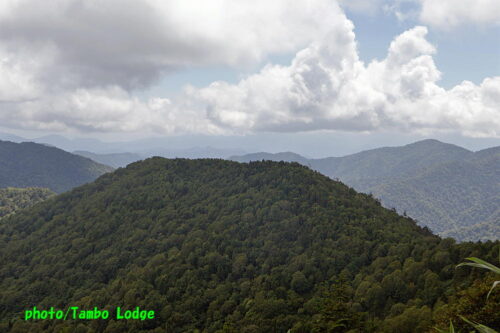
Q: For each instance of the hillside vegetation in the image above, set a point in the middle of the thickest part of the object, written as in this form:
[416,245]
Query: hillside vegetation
[30,164]
[451,190]
[219,246]
[14,199]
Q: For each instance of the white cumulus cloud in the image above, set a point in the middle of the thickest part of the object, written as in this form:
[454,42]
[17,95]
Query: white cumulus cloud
[328,87]
[448,14]
[72,65]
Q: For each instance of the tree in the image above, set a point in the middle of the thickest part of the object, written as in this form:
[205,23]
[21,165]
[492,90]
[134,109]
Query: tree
[335,312]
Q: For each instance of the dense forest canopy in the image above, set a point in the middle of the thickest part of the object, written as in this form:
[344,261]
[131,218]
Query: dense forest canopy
[13,199]
[447,188]
[219,246]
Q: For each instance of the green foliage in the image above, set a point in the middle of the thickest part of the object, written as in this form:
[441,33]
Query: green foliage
[471,303]
[479,327]
[29,164]
[447,188]
[451,329]
[335,313]
[476,262]
[13,199]
[218,246]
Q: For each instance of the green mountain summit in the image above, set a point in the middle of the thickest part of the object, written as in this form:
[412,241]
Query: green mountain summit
[219,246]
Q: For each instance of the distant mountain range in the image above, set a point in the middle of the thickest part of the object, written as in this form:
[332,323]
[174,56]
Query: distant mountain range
[30,164]
[118,160]
[115,160]
[119,154]
[453,191]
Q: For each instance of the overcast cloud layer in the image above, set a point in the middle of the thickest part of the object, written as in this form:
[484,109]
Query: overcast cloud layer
[74,65]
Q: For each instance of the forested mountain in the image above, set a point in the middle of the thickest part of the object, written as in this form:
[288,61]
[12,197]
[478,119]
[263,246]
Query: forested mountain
[364,169]
[11,137]
[13,199]
[115,160]
[30,164]
[220,246]
[459,199]
[453,191]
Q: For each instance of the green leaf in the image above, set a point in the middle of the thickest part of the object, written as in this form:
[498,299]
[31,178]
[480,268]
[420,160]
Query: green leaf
[476,262]
[479,327]
[451,329]
[492,287]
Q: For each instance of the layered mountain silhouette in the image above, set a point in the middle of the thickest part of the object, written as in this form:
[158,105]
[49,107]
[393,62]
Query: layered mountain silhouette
[30,164]
[453,191]
[116,160]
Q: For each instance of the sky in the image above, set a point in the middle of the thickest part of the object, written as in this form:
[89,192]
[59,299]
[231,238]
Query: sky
[306,72]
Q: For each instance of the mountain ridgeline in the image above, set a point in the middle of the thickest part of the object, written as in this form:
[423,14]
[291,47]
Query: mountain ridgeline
[220,246]
[115,160]
[451,190]
[30,164]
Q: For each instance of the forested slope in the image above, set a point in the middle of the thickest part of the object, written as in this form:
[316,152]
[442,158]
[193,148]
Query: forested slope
[14,199]
[451,190]
[30,164]
[453,199]
[221,246]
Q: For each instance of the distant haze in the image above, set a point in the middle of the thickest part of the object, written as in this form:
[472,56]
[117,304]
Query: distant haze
[312,144]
